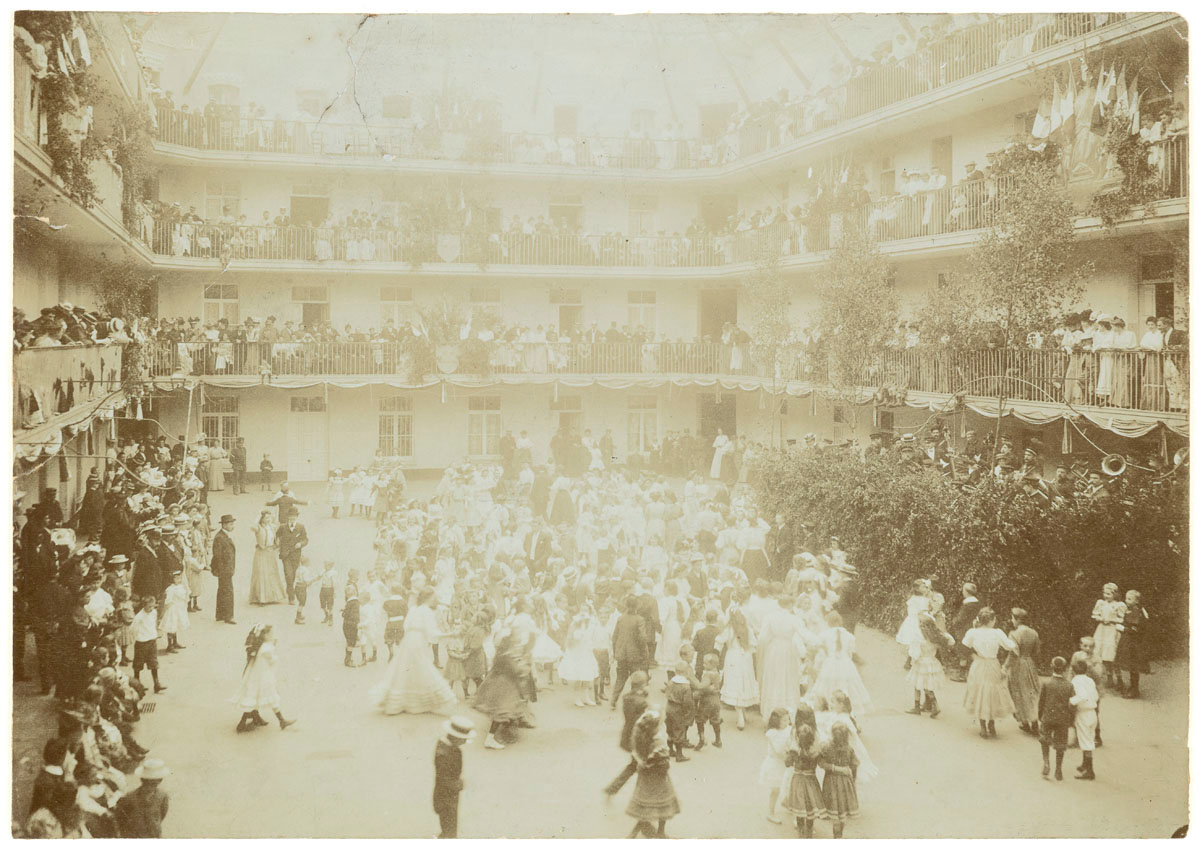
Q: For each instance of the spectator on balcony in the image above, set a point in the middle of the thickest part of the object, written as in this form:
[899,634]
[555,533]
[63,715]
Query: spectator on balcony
[1153,396]
[1102,340]
[1122,368]
[1174,341]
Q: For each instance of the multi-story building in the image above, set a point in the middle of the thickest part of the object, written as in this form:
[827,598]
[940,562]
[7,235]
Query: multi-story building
[548,201]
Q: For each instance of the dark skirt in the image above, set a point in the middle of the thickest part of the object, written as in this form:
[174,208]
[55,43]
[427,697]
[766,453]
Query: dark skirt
[653,796]
[1130,653]
[841,796]
[500,697]
[805,799]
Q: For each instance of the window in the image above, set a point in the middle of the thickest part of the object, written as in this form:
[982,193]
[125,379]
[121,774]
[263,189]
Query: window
[313,302]
[887,421]
[220,301]
[485,295]
[395,303]
[308,404]
[643,310]
[221,195]
[397,106]
[566,121]
[1023,124]
[565,297]
[887,176]
[569,411]
[642,209]
[643,121]
[396,427]
[483,426]
[219,419]
[310,189]
[643,424]
[568,208]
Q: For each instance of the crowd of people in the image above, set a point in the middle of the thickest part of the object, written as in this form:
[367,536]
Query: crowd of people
[64,325]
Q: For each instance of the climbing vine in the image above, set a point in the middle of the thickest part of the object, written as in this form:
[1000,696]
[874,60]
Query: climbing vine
[1140,184]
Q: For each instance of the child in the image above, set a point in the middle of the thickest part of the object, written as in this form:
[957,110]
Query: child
[370,626]
[1109,613]
[632,706]
[681,709]
[140,814]
[175,617]
[926,675]
[1131,654]
[705,639]
[327,592]
[395,607]
[475,660]
[124,635]
[837,669]
[51,776]
[350,621]
[456,654]
[303,579]
[145,647]
[602,629]
[1085,700]
[447,772]
[708,706]
[1095,669]
[654,798]
[774,765]
[843,714]
[805,800]
[265,469]
[1054,716]
[841,773]
[918,601]
[578,664]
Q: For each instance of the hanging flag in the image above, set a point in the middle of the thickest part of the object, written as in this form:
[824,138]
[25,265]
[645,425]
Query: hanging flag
[1098,102]
[1041,124]
[1056,105]
[1068,108]
[1122,96]
[1135,107]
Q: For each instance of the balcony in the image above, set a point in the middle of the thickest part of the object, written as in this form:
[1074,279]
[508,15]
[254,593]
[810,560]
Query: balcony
[961,209]
[1010,39]
[62,385]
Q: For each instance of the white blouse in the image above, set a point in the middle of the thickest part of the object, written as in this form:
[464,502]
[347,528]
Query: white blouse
[987,641]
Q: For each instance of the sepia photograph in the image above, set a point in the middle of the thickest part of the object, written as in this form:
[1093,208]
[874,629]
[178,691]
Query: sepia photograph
[667,425]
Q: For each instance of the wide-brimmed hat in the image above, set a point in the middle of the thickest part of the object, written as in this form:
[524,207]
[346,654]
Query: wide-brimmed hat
[227,519]
[460,728]
[86,713]
[152,769]
[119,559]
[908,438]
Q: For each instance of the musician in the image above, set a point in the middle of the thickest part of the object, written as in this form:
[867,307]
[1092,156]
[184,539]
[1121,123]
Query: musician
[1097,488]
[1062,488]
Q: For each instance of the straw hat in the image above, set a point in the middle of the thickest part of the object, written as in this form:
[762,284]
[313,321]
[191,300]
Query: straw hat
[459,729]
[152,769]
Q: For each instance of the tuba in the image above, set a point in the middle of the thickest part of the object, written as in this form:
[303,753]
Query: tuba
[1113,464]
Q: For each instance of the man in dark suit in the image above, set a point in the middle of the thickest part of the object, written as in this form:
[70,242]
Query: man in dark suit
[286,501]
[293,538]
[537,546]
[963,620]
[237,461]
[1173,339]
[629,645]
[849,602]
[146,580]
[647,607]
[508,450]
[50,507]
[224,560]
[780,546]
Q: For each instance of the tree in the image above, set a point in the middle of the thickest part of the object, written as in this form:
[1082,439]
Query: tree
[769,299]
[856,316]
[1023,269]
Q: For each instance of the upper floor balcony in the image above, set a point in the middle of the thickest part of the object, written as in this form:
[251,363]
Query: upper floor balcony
[927,218]
[871,87]
[52,384]
[1141,383]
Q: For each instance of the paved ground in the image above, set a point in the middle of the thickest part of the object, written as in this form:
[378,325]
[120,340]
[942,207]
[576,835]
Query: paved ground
[345,770]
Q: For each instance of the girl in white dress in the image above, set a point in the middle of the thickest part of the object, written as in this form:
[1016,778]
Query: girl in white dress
[413,684]
[175,618]
[838,672]
[740,688]
[1108,613]
[578,665]
[918,601]
[774,765]
[259,688]
[673,610]
[987,697]
[721,447]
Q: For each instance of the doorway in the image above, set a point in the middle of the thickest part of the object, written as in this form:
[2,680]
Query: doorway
[308,458]
[717,411]
[309,211]
[717,306]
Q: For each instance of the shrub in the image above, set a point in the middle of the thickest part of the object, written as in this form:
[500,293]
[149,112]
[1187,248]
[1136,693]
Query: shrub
[898,523]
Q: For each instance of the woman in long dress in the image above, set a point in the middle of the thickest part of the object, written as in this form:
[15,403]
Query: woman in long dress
[413,684]
[838,672]
[266,582]
[1021,670]
[780,662]
[216,467]
[722,447]
[1122,369]
[259,689]
[987,696]
[1102,342]
[1154,385]
[740,689]
[673,610]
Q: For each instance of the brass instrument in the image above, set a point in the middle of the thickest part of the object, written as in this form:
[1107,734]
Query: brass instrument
[1113,464]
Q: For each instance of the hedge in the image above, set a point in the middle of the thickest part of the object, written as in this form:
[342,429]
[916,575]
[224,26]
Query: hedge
[898,523]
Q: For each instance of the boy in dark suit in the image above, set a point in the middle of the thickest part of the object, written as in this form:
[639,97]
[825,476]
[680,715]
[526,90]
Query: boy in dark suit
[705,639]
[447,773]
[1055,716]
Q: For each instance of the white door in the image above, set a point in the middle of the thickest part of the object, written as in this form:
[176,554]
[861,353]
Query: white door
[307,451]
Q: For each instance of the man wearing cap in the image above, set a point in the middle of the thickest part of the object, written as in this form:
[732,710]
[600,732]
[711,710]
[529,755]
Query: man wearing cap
[146,580]
[849,598]
[285,500]
[224,560]
[237,461]
[292,538]
[447,772]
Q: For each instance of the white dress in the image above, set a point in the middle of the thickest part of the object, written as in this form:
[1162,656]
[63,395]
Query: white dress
[413,684]
[579,662]
[910,630]
[774,764]
[721,446]
[259,689]
[781,663]
[175,618]
[838,671]
[672,612]
[740,688]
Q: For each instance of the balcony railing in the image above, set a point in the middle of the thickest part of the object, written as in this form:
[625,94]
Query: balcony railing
[1121,379]
[50,381]
[414,360]
[955,57]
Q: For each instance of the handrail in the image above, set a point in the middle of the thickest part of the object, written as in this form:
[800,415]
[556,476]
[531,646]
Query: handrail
[955,57]
[1144,380]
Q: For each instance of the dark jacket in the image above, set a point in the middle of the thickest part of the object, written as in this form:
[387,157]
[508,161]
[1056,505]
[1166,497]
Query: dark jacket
[632,706]
[1054,703]
[965,617]
[647,607]
[849,604]
[705,642]
[147,576]
[447,773]
[291,541]
[629,640]
[224,555]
